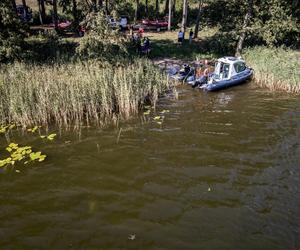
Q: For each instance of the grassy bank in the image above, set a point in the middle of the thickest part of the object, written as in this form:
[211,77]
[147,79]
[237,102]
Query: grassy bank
[165,45]
[76,93]
[276,69]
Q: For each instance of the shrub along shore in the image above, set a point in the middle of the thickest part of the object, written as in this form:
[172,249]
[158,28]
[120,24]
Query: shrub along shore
[275,68]
[68,94]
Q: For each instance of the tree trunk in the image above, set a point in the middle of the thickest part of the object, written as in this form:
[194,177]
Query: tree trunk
[174,7]
[55,17]
[170,15]
[42,11]
[94,5]
[106,7]
[157,8]
[14,5]
[146,8]
[246,23]
[75,14]
[137,3]
[166,7]
[198,19]
[100,4]
[184,15]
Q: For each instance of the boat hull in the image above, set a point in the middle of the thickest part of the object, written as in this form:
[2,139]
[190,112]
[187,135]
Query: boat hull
[236,80]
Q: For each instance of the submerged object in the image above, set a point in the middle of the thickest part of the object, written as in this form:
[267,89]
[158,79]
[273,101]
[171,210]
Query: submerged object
[229,72]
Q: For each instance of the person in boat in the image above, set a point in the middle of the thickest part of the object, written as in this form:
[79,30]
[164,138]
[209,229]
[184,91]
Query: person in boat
[202,79]
[202,75]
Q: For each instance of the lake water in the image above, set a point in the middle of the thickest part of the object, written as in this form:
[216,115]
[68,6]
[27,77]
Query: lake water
[220,172]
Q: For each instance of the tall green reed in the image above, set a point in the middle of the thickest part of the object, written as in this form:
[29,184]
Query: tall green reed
[78,93]
[275,68]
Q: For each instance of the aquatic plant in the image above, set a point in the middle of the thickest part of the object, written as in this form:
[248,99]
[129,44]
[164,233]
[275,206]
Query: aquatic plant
[78,93]
[49,137]
[275,68]
[6,128]
[34,129]
[18,154]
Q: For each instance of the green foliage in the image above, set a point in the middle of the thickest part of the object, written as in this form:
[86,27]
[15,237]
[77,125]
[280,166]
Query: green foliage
[273,22]
[101,40]
[11,35]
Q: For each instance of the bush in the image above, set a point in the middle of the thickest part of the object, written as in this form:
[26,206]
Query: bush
[101,40]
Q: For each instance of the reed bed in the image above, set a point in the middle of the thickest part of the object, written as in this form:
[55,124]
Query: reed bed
[76,94]
[275,68]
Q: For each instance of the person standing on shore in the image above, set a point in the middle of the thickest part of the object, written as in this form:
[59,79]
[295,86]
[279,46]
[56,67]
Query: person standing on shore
[180,36]
[191,36]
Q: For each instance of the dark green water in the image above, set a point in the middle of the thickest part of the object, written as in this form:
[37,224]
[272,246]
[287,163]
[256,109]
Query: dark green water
[222,172]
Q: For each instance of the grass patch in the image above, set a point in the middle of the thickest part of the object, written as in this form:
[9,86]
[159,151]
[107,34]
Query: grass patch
[78,93]
[210,44]
[275,68]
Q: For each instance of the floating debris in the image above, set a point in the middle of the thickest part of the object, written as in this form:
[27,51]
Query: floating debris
[131,237]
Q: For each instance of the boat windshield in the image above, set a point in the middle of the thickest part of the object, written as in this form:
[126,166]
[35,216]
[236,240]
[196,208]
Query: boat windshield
[222,70]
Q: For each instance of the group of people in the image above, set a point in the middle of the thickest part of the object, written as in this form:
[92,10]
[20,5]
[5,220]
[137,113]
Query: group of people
[181,36]
[202,74]
[141,43]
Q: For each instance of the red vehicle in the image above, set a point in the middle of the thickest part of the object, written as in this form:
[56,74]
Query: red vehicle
[62,25]
[155,23]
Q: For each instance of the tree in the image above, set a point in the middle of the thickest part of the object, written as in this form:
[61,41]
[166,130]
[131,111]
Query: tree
[75,14]
[174,7]
[42,10]
[14,5]
[11,32]
[106,7]
[170,15]
[100,4]
[94,5]
[184,15]
[156,8]
[146,8]
[137,3]
[55,16]
[247,18]
[166,7]
[198,18]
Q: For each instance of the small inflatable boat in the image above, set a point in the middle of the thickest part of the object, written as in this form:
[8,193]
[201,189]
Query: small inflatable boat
[229,72]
